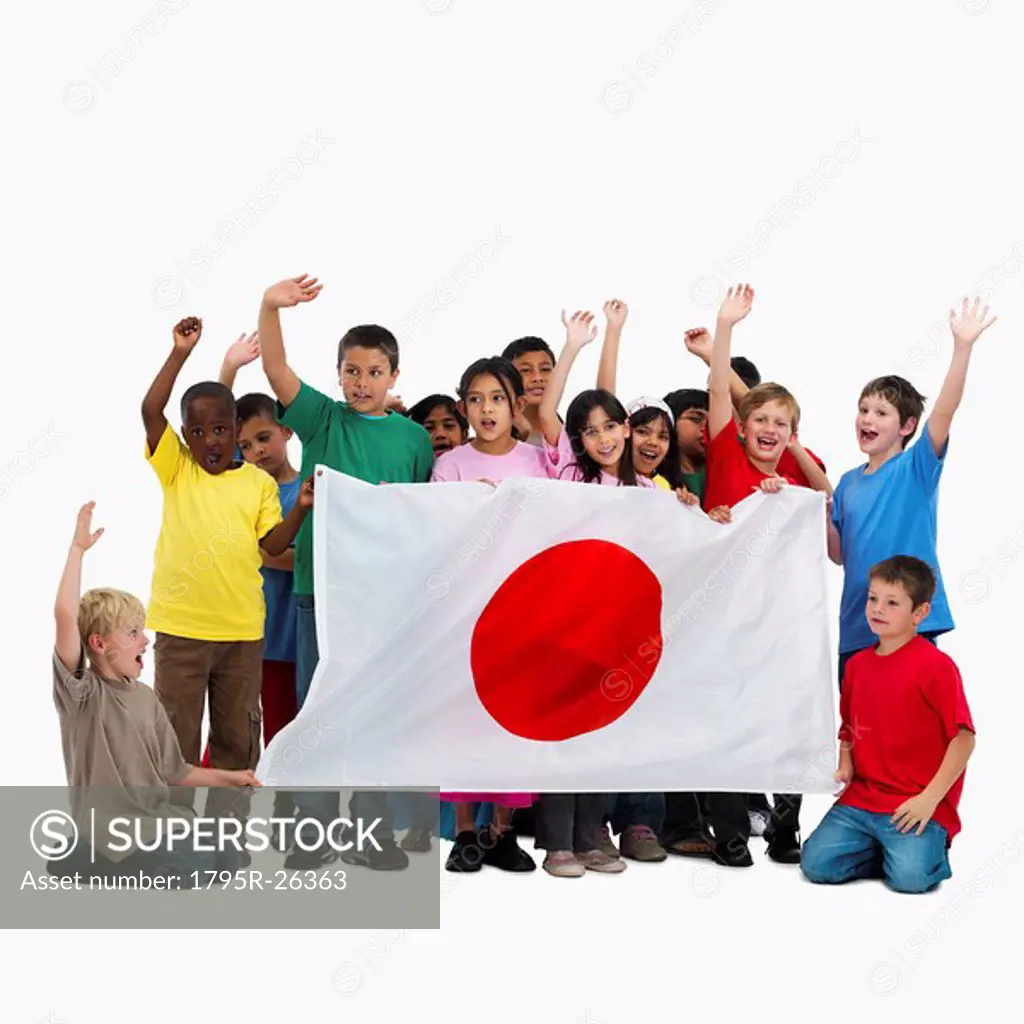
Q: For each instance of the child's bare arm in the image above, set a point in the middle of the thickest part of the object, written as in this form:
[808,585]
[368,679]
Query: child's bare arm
[735,306]
[186,333]
[966,327]
[199,776]
[285,562]
[69,592]
[580,330]
[615,312]
[280,538]
[283,379]
[243,352]
[918,810]
[698,342]
[835,543]
[815,474]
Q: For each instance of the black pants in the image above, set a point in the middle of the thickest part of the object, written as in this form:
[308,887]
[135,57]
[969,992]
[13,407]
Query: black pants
[729,820]
[569,821]
[686,817]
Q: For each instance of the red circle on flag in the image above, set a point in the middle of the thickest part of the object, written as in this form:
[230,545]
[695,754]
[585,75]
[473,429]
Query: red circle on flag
[569,641]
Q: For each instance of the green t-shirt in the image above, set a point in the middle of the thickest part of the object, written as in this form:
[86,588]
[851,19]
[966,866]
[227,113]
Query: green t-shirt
[695,482]
[389,449]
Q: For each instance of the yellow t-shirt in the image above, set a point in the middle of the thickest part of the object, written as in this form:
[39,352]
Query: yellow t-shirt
[660,481]
[206,575]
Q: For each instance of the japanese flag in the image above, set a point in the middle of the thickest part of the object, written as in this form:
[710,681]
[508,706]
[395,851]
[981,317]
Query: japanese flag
[547,636]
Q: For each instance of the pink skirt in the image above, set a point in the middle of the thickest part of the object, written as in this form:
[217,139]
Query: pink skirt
[503,799]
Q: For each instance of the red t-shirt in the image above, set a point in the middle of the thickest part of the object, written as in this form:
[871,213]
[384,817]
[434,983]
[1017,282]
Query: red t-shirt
[901,711]
[731,476]
[789,467]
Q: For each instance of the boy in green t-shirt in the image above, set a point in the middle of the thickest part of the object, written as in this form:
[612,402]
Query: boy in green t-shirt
[360,437]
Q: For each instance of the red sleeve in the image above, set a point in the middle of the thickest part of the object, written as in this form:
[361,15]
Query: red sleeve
[943,689]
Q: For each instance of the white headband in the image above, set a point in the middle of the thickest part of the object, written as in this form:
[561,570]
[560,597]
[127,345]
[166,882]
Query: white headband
[648,403]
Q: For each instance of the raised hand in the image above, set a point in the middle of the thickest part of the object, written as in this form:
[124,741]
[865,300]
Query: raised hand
[187,333]
[243,352]
[85,536]
[736,304]
[698,342]
[615,311]
[580,328]
[291,292]
[394,403]
[968,324]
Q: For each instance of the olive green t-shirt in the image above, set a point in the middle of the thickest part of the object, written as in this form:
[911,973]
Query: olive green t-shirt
[378,449]
[120,751]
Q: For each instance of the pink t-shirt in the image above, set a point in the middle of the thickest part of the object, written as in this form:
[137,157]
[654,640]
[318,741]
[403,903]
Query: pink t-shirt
[561,462]
[466,463]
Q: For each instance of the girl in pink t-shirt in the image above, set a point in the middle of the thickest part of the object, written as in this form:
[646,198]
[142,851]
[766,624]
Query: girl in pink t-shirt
[491,395]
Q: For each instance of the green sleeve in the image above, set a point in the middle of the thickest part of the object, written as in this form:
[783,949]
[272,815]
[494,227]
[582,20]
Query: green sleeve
[308,414]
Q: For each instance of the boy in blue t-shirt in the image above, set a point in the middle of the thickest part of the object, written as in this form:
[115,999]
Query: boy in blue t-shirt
[889,505]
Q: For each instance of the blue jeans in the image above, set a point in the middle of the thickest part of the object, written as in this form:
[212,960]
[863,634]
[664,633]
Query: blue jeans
[627,809]
[851,843]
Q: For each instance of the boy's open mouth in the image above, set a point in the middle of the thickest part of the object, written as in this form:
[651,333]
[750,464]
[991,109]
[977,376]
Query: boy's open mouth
[766,444]
[867,435]
[443,445]
[213,458]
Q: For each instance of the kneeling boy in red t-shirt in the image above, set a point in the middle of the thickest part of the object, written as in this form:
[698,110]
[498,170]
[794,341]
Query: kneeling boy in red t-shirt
[905,739]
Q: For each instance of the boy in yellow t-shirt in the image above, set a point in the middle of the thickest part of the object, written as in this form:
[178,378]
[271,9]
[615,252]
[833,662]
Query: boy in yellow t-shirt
[207,605]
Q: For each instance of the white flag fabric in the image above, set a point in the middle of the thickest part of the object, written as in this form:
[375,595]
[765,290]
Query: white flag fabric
[547,636]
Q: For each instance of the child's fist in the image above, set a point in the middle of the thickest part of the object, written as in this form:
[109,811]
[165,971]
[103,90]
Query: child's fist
[85,537]
[394,403]
[580,328]
[698,342]
[243,777]
[305,498]
[244,351]
[291,292]
[187,332]
[844,775]
[736,304]
[721,514]
[969,323]
[687,497]
[772,484]
[616,311]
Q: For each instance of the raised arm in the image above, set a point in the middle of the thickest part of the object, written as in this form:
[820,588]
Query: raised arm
[815,474]
[735,306]
[68,642]
[698,342]
[966,327]
[580,330]
[186,334]
[615,311]
[283,379]
[243,352]
[276,542]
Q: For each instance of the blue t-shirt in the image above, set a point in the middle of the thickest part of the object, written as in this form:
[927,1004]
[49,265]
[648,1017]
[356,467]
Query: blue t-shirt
[279,593]
[892,511]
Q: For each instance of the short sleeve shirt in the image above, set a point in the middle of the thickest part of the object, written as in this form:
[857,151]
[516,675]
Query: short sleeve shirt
[206,573]
[120,751]
[731,476]
[893,511]
[900,712]
[377,449]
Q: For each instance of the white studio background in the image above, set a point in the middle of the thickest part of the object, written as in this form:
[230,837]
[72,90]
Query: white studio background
[619,150]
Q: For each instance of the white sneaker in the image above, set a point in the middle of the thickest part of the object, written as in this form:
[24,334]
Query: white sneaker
[758,822]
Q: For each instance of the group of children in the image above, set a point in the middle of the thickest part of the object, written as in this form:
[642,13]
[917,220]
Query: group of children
[233,613]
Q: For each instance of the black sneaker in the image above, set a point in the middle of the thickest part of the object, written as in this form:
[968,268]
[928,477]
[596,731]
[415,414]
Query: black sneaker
[784,846]
[319,856]
[417,840]
[466,855]
[735,854]
[390,857]
[504,852]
